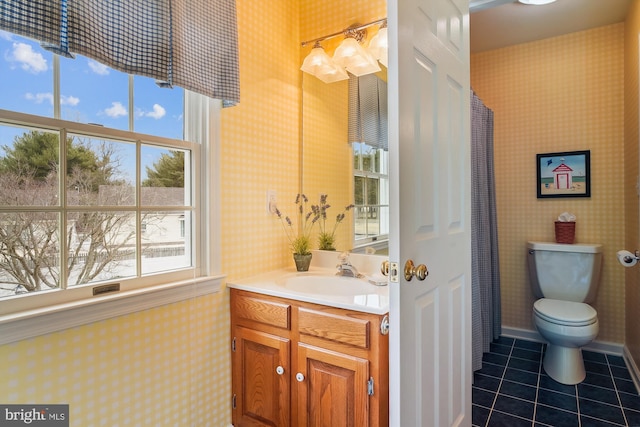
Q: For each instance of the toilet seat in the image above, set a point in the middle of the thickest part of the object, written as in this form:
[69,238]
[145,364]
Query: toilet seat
[565,313]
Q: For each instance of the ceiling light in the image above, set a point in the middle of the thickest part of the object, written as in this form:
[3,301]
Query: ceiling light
[536,2]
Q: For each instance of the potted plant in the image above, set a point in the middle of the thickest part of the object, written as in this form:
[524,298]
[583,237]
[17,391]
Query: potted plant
[300,236]
[327,237]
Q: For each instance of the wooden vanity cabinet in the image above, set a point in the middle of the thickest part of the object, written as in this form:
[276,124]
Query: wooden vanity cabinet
[302,364]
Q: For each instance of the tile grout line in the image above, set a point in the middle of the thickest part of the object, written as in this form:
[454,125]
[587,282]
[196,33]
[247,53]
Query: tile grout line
[504,372]
[615,387]
[575,388]
[511,355]
[535,402]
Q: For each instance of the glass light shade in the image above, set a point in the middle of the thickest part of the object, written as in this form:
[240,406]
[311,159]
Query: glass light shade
[536,2]
[379,46]
[355,58]
[320,65]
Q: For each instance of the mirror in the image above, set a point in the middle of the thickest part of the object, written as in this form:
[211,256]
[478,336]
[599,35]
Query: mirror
[328,161]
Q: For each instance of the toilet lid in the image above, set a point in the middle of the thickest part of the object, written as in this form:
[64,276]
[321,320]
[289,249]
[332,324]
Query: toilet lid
[565,312]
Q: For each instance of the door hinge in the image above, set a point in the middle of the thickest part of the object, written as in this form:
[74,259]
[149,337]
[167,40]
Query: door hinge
[393,272]
[370,387]
[233,401]
[233,344]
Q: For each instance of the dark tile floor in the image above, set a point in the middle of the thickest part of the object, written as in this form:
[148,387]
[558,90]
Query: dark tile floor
[512,390]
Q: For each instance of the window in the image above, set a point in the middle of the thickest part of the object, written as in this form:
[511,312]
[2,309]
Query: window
[371,194]
[97,184]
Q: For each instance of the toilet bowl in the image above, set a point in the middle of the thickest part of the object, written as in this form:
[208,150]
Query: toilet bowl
[566,326]
[565,279]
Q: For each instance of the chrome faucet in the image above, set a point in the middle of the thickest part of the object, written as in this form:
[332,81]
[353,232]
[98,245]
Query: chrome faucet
[345,268]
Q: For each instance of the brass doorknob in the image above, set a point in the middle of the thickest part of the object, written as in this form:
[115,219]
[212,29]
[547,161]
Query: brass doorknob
[410,270]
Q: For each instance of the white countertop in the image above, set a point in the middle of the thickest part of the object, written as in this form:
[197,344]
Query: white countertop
[351,295]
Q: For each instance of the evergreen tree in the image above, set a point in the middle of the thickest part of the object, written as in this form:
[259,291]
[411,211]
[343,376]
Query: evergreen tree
[167,171]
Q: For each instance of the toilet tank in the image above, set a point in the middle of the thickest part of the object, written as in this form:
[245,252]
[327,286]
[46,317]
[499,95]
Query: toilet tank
[564,272]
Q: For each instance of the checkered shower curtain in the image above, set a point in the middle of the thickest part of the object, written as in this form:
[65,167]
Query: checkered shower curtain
[485,267]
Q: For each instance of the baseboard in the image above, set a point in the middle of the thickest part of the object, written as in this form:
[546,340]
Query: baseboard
[633,368]
[599,346]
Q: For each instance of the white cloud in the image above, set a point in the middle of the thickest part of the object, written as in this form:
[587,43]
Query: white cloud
[98,68]
[157,113]
[28,59]
[69,100]
[116,110]
[39,98]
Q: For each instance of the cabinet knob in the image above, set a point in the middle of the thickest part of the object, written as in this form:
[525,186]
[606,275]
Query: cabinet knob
[299,377]
[279,370]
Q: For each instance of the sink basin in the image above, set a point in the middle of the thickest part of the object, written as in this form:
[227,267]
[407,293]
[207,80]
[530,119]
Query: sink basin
[327,285]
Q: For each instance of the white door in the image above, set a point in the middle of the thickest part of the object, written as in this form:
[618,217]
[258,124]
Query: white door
[430,212]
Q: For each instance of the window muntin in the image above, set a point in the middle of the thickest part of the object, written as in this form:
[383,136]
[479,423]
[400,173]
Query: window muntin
[371,194]
[89,92]
[113,229]
[119,225]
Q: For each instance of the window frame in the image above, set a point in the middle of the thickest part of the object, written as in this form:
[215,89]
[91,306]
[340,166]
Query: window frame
[379,240]
[25,316]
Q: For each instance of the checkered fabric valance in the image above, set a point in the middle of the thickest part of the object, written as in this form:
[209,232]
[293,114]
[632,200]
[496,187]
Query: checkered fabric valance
[188,43]
[368,111]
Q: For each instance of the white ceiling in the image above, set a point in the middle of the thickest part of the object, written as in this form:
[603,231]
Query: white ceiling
[500,23]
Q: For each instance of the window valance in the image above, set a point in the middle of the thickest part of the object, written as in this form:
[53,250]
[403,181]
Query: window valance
[189,43]
[368,111]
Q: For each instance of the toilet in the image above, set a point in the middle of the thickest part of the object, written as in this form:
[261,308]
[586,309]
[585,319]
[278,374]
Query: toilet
[565,279]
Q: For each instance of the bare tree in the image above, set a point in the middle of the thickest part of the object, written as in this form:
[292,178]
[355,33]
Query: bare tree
[97,240]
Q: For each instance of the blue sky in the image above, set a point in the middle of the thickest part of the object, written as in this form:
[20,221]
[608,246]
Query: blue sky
[90,92]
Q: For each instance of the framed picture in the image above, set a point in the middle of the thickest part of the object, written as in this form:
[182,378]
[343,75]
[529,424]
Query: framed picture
[564,174]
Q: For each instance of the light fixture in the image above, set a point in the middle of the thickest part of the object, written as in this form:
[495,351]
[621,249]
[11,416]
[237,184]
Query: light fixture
[350,55]
[319,64]
[536,2]
[379,45]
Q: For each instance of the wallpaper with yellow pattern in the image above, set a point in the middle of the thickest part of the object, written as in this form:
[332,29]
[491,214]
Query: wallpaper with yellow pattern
[555,95]
[631,141]
[170,366]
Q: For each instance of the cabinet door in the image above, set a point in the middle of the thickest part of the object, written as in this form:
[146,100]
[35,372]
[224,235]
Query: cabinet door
[331,389]
[261,379]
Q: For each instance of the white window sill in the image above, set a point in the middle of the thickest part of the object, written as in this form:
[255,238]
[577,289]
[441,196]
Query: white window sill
[19,326]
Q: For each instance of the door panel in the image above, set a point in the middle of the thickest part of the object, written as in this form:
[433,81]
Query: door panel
[333,392]
[430,211]
[264,400]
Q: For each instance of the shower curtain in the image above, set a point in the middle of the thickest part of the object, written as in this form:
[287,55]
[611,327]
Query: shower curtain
[485,268]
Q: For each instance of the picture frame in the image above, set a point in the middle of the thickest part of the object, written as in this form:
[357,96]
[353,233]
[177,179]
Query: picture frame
[563,174]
